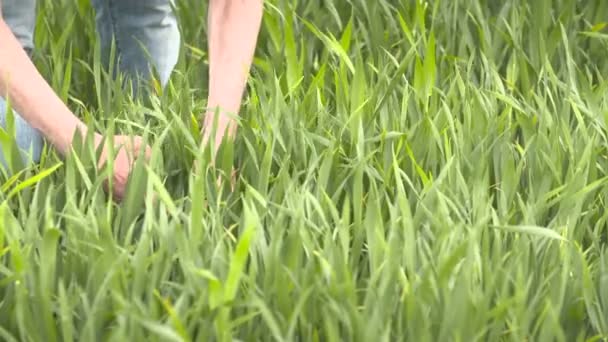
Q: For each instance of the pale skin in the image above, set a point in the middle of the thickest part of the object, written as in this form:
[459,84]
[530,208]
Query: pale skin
[233,29]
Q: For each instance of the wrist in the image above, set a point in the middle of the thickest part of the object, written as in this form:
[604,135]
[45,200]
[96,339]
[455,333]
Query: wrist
[62,135]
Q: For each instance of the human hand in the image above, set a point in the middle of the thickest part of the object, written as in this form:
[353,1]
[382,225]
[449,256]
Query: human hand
[218,134]
[126,150]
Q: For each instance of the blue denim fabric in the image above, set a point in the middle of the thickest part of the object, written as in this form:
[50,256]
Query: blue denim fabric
[143,31]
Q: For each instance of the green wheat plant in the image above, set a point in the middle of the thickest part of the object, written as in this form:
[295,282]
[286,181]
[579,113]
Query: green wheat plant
[407,171]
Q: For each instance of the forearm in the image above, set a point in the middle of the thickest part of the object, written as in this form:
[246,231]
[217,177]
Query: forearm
[31,96]
[233,30]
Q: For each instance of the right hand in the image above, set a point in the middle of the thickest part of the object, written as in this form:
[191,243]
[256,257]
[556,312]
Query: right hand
[126,150]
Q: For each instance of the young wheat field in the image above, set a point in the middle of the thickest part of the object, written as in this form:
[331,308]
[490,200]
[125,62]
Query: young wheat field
[407,171]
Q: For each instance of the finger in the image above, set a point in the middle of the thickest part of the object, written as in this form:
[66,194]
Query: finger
[148,152]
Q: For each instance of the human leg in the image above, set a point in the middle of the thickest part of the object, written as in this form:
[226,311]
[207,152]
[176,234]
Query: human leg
[145,33]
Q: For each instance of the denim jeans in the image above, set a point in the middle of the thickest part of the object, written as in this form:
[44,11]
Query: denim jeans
[143,31]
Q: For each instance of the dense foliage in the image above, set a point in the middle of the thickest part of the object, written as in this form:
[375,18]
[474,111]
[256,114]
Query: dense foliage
[424,171]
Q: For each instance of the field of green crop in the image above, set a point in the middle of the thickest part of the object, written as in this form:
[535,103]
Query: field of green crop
[407,170]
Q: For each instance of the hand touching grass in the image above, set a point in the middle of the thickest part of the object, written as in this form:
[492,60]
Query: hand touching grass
[126,151]
[234,28]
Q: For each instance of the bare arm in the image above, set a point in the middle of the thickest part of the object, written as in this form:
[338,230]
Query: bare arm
[31,95]
[37,103]
[233,30]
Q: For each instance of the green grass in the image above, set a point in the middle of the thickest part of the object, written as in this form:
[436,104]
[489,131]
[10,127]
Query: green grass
[421,171]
